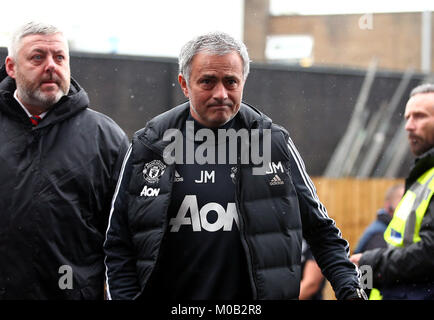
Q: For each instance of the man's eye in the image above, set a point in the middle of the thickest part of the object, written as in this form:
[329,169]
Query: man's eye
[60,58]
[232,83]
[37,57]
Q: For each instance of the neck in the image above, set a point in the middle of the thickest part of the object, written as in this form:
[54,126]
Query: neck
[32,109]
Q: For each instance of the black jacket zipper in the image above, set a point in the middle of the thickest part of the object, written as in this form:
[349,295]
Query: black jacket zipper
[244,241]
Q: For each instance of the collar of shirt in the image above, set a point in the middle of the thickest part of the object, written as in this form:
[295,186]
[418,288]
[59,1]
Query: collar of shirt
[42,115]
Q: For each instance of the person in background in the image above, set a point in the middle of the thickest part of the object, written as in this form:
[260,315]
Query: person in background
[404,270]
[373,236]
[60,162]
[192,221]
[312,280]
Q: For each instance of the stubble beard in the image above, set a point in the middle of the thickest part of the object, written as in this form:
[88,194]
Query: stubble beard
[418,145]
[34,96]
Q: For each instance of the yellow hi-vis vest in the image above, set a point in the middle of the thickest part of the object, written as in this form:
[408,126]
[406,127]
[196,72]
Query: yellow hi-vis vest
[404,227]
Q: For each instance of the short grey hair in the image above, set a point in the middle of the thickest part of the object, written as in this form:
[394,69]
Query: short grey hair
[423,88]
[29,29]
[218,43]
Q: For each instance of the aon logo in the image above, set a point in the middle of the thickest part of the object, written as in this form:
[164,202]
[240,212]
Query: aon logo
[198,219]
[149,192]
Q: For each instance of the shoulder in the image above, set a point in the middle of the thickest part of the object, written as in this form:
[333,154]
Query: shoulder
[97,116]
[281,144]
[281,132]
[254,118]
[170,119]
[376,227]
[101,123]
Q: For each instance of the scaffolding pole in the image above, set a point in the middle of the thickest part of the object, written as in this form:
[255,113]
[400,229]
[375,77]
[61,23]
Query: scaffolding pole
[372,127]
[397,150]
[335,164]
[376,146]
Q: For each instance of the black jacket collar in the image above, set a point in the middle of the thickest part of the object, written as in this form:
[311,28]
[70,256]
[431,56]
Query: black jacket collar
[422,164]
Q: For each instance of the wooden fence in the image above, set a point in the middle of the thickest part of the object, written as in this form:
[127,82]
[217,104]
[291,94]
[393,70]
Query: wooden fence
[353,204]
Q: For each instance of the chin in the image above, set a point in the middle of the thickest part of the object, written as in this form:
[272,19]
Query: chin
[419,151]
[220,122]
[50,99]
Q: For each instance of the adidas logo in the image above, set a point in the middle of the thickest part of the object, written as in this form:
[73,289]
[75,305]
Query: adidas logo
[178,177]
[276,181]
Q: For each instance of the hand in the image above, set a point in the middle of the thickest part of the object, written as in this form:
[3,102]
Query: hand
[355,258]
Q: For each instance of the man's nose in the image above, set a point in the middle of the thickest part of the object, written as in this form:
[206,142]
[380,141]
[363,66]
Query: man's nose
[50,64]
[409,124]
[220,92]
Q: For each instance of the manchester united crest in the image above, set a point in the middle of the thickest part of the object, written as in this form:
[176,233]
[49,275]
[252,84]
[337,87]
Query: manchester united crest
[153,170]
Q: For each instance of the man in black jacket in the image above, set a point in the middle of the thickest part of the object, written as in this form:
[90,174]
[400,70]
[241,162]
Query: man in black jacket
[60,162]
[404,270]
[213,197]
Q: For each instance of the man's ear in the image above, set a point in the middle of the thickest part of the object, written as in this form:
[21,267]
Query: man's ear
[10,67]
[183,84]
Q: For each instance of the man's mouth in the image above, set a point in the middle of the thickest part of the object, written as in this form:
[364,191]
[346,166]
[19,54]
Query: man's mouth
[49,83]
[50,79]
[413,139]
[224,105]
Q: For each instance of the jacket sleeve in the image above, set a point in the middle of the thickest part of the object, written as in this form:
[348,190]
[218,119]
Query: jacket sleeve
[120,261]
[119,150]
[414,263]
[330,250]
